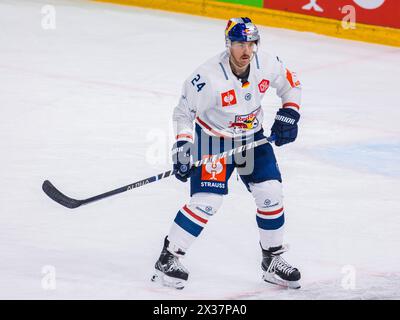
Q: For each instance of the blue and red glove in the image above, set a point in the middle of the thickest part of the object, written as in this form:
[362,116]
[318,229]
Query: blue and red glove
[183,167]
[285,126]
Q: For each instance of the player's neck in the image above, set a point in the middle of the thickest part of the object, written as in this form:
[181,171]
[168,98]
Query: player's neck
[238,70]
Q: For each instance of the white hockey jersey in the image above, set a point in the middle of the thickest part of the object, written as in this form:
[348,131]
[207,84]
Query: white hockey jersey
[221,105]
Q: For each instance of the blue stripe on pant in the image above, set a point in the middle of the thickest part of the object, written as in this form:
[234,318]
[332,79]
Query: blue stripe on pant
[270,224]
[187,224]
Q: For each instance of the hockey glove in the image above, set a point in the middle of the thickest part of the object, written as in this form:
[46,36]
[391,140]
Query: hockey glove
[285,126]
[181,152]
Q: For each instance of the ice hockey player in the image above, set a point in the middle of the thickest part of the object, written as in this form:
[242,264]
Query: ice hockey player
[223,99]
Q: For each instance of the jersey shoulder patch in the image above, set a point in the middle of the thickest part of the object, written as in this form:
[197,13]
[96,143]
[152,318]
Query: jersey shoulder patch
[292,78]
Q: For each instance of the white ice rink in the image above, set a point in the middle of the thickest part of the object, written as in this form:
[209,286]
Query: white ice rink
[88,105]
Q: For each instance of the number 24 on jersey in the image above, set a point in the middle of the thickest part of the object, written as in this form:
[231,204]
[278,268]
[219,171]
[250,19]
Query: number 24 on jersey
[196,82]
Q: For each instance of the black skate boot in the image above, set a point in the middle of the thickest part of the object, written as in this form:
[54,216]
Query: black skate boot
[168,269]
[278,271]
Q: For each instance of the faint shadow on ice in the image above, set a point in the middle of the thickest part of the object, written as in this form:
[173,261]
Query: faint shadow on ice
[378,158]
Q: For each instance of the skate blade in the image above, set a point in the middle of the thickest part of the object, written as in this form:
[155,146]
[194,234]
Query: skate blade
[270,278]
[167,281]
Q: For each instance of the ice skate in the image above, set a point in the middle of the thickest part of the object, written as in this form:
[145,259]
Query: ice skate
[168,269]
[277,270]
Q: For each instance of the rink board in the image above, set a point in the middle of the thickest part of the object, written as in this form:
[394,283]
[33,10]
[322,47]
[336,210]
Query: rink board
[273,18]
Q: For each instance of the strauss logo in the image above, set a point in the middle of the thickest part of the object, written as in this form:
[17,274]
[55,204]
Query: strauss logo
[214,168]
[229,98]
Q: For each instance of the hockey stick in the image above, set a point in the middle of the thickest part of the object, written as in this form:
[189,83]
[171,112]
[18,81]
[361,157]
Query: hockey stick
[71,203]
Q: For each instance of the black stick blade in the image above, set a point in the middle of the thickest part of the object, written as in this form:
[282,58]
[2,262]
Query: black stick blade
[59,197]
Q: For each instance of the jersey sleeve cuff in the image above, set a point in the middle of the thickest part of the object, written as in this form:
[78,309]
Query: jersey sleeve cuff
[291,105]
[184,137]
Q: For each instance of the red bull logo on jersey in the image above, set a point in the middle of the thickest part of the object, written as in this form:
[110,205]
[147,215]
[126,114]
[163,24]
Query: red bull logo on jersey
[263,85]
[228,98]
[246,122]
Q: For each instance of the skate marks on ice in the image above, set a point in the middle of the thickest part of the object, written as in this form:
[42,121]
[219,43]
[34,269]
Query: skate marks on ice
[89,81]
[322,279]
[368,286]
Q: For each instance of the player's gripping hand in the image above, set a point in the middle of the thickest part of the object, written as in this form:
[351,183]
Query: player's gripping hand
[181,152]
[285,126]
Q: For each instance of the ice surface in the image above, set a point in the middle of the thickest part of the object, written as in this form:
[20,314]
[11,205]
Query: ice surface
[88,106]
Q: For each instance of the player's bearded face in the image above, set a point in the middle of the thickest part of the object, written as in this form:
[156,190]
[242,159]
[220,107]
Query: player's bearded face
[242,52]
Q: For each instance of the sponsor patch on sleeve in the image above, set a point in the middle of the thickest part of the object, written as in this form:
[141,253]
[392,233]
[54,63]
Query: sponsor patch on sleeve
[292,78]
